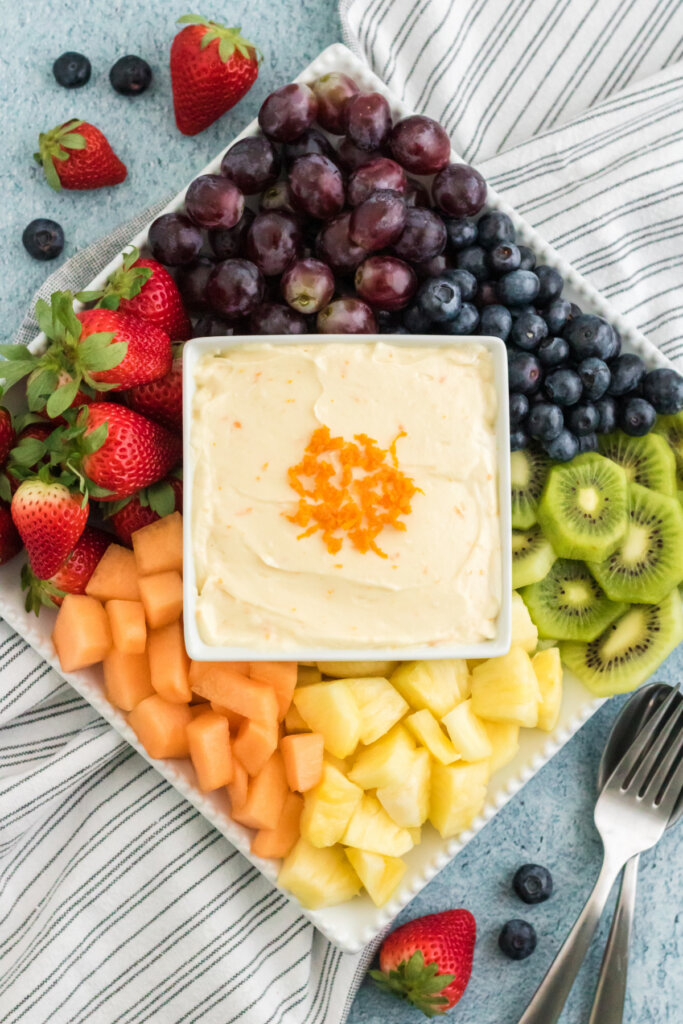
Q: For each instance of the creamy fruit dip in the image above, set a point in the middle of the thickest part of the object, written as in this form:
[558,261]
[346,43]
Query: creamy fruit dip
[274,427]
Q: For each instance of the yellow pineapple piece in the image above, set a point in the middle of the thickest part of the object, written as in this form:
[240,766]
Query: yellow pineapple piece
[380,875]
[506,689]
[371,829]
[406,800]
[415,834]
[340,763]
[435,686]
[429,733]
[307,674]
[504,740]
[328,808]
[353,669]
[330,709]
[548,669]
[318,878]
[467,732]
[382,762]
[294,722]
[457,796]
[380,705]
[524,632]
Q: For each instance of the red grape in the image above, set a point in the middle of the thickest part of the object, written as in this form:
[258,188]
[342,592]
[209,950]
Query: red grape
[420,144]
[192,279]
[380,173]
[274,241]
[235,288]
[317,186]
[287,112]
[213,326]
[310,141]
[274,318]
[385,282]
[333,92]
[334,245]
[212,201]
[432,268]
[308,285]
[459,190]
[346,316]
[417,195]
[368,120]
[424,236]
[174,239]
[351,157]
[229,242]
[378,221]
[253,164]
[277,197]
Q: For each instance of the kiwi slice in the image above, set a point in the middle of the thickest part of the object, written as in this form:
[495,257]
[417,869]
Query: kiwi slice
[629,650]
[528,471]
[532,556]
[648,562]
[583,509]
[647,460]
[671,429]
[568,604]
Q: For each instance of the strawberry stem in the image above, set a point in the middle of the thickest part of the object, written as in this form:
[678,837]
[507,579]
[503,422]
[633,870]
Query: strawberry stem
[54,145]
[417,983]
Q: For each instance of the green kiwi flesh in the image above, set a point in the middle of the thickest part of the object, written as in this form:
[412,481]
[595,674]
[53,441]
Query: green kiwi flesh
[671,429]
[648,563]
[648,460]
[630,649]
[528,471]
[532,556]
[568,604]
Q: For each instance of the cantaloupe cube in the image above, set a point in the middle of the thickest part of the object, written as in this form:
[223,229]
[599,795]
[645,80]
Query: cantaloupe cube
[238,786]
[115,576]
[278,841]
[208,736]
[294,722]
[81,635]
[303,757]
[126,679]
[158,546]
[169,664]
[200,709]
[255,743]
[240,694]
[128,628]
[198,699]
[162,597]
[266,796]
[161,726]
[280,676]
[233,718]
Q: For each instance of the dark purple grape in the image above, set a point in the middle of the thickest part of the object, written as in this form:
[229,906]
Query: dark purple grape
[227,243]
[420,144]
[627,373]
[288,112]
[378,174]
[274,318]
[459,190]
[192,280]
[435,267]
[583,419]
[213,201]
[528,262]
[385,282]
[307,285]
[564,387]
[595,377]
[379,221]
[274,241]
[528,331]
[545,421]
[417,195]
[316,186]
[465,322]
[518,408]
[637,417]
[253,164]
[504,258]
[351,157]
[466,282]
[423,237]
[174,239]
[235,288]
[310,141]
[334,246]
[524,372]
[277,197]
[368,120]
[495,228]
[346,316]
[663,389]
[212,326]
[333,91]
[462,232]
[562,448]
[495,321]
[553,352]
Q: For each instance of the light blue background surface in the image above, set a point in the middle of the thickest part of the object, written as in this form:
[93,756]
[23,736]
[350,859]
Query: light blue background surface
[551,821]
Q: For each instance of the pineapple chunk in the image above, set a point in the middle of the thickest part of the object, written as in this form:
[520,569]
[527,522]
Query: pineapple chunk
[353,669]
[307,674]
[328,808]
[429,733]
[548,669]
[415,834]
[524,632]
[380,875]
[294,722]
[504,740]
[435,686]
[383,761]
[329,708]
[340,763]
[380,705]
[406,800]
[467,732]
[371,829]
[506,689]
[318,878]
[457,796]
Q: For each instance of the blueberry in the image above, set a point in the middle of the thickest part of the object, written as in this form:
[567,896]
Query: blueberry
[504,258]
[518,440]
[545,421]
[553,351]
[416,321]
[487,294]
[584,419]
[588,443]
[43,239]
[494,228]
[527,257]
[595,376]
[461,231]
[556,315]
[627,373]
[562,448]
[637,417]
[663,389]
[387,321]
[518,288]
[517,311]
[495,321]
[439,299]
[130,75]
[551,283]
[473,259]
[607,411]
[615,347]
[563,387]
[72,70]
[533,883]
[466,282]
[464,322]
[524,372]
[519,407]
[528,331]
[588,335]
[517,939]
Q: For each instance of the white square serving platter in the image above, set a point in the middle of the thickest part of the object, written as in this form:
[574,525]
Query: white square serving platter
[351,925]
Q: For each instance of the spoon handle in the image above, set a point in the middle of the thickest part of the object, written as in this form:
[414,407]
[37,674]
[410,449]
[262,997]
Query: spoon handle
[610,995]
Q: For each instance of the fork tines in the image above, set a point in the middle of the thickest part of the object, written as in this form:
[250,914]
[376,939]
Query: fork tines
[645,767]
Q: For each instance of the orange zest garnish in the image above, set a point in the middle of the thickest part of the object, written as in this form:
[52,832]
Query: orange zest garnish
[350,487]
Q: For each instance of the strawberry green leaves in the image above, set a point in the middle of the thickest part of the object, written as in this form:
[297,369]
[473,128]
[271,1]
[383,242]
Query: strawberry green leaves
[55,145]
[418,983]
[59,457]
[229,39]
[124,283]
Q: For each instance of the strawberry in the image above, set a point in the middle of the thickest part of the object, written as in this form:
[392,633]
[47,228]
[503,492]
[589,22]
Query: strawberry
[428,961]
[10,541]
[146,507]
[7,435]
[148,354]
[212,67]
[162,399]
[25,458]
[50,518]
[76,155]
[71,577]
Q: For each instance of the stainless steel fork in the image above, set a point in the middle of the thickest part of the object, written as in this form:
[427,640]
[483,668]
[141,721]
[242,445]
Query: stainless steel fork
[631,814]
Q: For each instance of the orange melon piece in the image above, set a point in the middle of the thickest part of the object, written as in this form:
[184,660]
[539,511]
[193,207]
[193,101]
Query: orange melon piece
[303,758]
[162,597]
[239,786]
[200,709]
[169,664]
[161,726]
[197,697]
[232,716]
[115,576]
[255,743]
[281,676]
[128,628]
[126,679]
[158,546]
[81,635]
[199,669]
[237,692]
[278,841]
[266,796]
[208,736]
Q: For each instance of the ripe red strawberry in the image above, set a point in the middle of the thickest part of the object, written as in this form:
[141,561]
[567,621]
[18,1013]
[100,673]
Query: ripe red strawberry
[50,518]
[71,577]
[162,399]
[212,67]
[76,155]
[430,951]
[10,541]
[7,435]
[16,470]
[148,354]
[146,507]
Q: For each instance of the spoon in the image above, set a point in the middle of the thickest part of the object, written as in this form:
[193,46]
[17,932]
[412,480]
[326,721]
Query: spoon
[608,1005]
